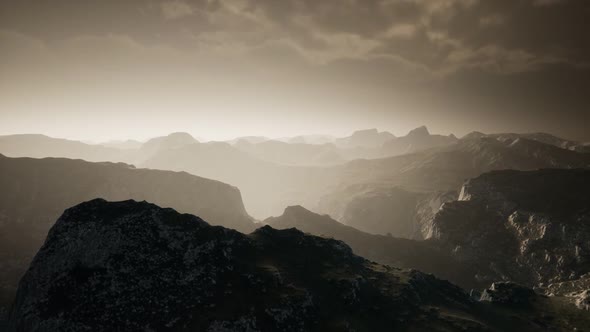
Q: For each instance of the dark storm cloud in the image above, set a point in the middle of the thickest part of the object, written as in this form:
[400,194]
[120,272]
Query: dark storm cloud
[522,58]
[438,34]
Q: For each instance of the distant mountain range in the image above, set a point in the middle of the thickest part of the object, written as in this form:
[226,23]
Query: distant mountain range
[476,210]
[273,174]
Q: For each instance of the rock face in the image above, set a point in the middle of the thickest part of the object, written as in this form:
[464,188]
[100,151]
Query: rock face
[134,266]
[36,191]
[529,227]
[582,300]
[416,140]
[387,211]
[508,293]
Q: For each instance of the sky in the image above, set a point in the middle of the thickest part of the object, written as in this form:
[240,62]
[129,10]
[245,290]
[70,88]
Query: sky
[101,70]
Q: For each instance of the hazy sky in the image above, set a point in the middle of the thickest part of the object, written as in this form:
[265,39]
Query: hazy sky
[222,68]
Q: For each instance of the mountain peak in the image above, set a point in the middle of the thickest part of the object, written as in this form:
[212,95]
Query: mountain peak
[296,210]
[420,131]
[181,136]
[365,132]
[170,141]
[474,135]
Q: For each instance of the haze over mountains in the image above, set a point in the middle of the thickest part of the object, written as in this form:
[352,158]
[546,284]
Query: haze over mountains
[274,174]
[475,210]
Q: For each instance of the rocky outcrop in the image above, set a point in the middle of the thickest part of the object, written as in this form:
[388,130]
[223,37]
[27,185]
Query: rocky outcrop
[582,300]
[367,138]
[426,210]
[576,291]
[134,266]
[36,191]
[508,293]
[416,140]
[529,227]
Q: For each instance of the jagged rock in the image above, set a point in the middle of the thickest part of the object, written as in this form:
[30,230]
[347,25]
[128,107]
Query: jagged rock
[583,300]
[134,266]
[529,227]
[421,131]
[416,140]
[507,293]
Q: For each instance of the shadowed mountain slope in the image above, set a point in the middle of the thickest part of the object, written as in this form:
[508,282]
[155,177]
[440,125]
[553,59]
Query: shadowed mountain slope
[36,191]
[531,227]
[107,266]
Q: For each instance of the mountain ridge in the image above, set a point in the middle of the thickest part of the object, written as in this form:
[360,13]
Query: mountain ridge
[110,265]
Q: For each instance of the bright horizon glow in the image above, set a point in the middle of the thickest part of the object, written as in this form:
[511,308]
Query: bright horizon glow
[267,68]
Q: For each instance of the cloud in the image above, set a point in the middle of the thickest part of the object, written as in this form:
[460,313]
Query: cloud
[404,30]
[491,20]
[176,9]
[547,2]
[434,34]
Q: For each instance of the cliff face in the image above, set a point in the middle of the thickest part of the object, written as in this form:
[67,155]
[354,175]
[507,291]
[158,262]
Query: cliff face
[36,191]
[134,266]
[395,211]
[530,227]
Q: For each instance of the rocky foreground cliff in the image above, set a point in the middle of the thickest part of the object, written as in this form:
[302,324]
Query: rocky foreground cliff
[135,266]
[35,192]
